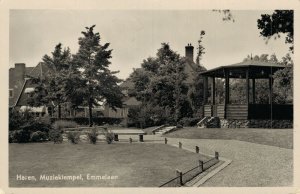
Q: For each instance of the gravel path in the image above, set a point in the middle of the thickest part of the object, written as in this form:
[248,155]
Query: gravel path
[253,165]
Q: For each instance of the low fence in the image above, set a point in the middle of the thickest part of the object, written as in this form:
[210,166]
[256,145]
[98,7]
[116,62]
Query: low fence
[183,178]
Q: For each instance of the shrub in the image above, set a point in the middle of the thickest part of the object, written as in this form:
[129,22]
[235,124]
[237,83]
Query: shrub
[55,135]
[38,136]
[37,124]
[17,119]
[19,136]
[185,121]
[96,120]
[92,136]
[73,137]
[109,136]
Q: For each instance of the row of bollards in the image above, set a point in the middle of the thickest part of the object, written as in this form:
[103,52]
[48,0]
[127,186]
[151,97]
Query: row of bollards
[196,148]
[179,174]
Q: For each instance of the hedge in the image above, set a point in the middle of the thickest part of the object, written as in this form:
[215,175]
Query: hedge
[96,120]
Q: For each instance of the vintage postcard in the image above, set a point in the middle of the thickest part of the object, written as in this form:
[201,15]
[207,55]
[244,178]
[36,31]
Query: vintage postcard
[130,97]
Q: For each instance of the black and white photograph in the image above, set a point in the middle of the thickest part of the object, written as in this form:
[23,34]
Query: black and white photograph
[150,98]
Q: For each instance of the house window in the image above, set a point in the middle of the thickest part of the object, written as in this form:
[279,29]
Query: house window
[11,94]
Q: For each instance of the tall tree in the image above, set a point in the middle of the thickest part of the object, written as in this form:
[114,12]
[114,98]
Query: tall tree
[200,48]
[195,93]
[280,21]
[99,84]
[160,85]
[50,87]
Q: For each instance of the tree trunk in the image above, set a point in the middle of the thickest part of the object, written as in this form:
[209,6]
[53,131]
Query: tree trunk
[59,111]
[90,114]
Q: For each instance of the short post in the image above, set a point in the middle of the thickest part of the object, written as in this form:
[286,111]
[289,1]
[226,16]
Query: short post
[197,149]
[116,138]
[217,155]
[130,140]
[166,140]
[141,138]
[179,175]
[201,166]
[180,145]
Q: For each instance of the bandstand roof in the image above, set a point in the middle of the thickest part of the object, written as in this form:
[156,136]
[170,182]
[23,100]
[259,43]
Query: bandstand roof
[257,70]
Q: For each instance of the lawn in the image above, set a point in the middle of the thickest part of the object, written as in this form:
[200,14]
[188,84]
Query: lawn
[138,164]
[274,137]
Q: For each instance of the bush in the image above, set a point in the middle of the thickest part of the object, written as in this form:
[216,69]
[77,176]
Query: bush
[55,135]
[92,136]
[96,120]
[25,127]
[147,116]
[17,119]
[74,137]
[109,136]
[19,136]
[185,121]
[38,136]
[37,124]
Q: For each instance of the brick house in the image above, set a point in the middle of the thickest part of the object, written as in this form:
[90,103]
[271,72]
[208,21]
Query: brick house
[21,86]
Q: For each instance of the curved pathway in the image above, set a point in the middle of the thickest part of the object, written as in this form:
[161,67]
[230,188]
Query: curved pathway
[253,165]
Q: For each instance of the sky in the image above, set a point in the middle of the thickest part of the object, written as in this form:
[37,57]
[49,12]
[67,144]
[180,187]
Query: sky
[135,35]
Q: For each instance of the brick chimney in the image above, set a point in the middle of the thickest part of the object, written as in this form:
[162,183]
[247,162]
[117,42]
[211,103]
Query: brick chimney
[189,52]
[20,71]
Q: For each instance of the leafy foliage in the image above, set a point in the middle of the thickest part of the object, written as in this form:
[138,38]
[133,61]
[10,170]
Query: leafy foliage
[55,135]
[96,82]
[189,121]
[23,125]
[227,15]
[109,136]
[73,137]
[283,86]
[92,136]
[200,48]
[281,21]
[50,88]
[160,85]
[19,136]
[38,136]
[18,119]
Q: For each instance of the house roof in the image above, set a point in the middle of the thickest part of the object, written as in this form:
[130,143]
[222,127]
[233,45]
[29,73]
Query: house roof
[39,71]
[19,86]
[191,69]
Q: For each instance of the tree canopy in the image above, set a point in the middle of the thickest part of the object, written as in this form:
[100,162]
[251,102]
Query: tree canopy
[160,86]
[97,82]
[280,21]
[82,79]
[50,87]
